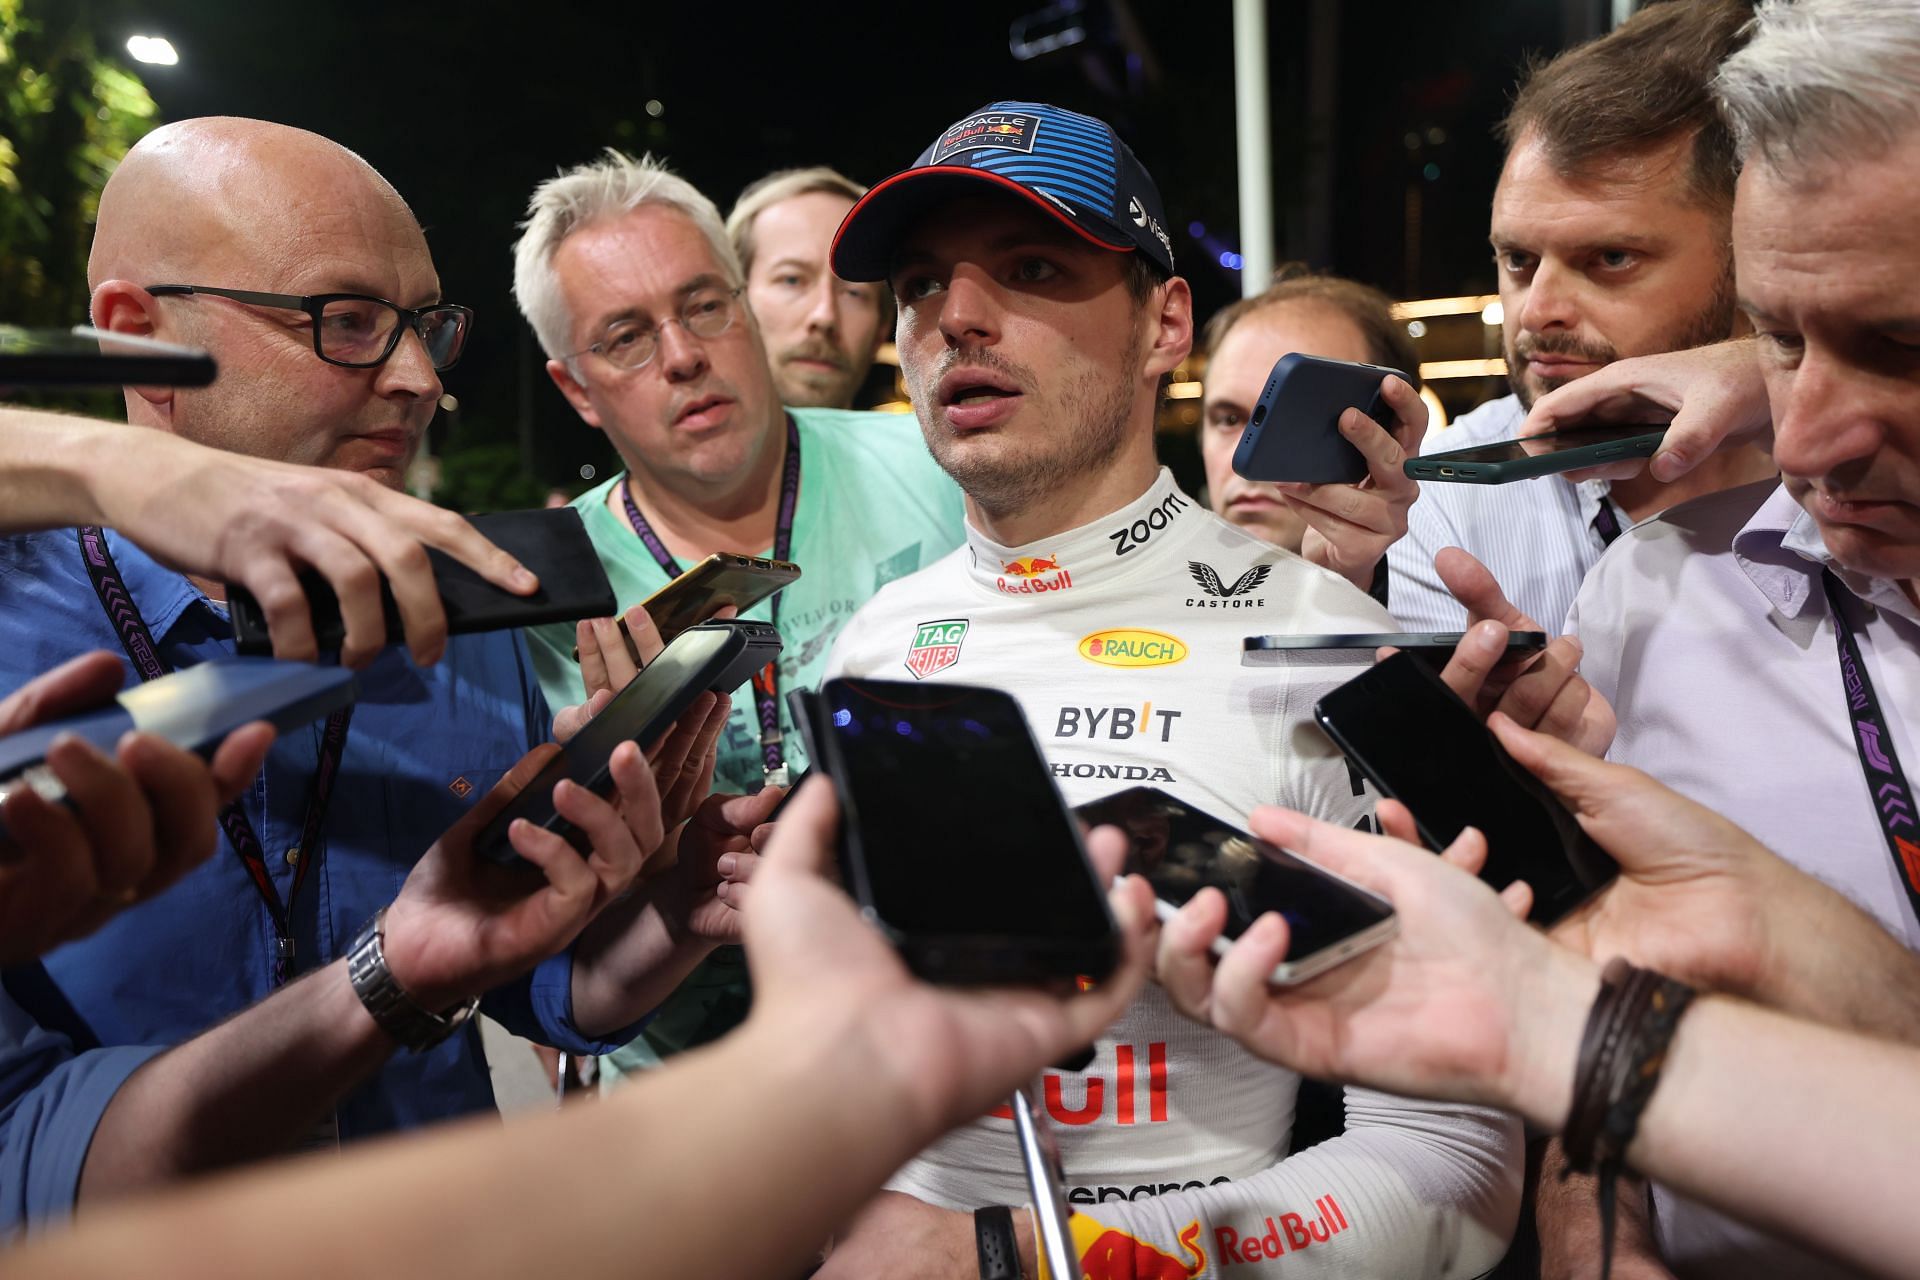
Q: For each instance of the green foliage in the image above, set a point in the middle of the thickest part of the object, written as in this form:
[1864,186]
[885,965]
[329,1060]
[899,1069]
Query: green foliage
[487,477]
[68,113]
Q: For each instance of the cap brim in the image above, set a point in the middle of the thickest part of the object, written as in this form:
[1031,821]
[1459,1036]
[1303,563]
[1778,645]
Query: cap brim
[865,244]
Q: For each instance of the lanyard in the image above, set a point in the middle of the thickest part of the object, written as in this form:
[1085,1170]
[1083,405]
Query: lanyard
[1872,737]
[120,609]
[766,685]
[1606,524]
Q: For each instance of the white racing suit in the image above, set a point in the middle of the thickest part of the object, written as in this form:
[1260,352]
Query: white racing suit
[1122,642]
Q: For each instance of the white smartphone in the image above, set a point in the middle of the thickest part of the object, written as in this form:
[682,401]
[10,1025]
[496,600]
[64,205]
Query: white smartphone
[1180,850]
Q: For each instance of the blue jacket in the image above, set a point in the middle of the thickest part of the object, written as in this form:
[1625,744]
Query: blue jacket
[424,744]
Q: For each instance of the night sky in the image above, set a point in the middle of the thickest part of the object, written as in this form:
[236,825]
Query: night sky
[465,106]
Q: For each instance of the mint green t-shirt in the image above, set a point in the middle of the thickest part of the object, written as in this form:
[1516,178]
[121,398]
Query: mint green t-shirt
[873,507]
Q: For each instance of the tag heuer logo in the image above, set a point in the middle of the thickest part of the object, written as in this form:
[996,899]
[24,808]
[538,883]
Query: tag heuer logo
[936,646]
[1221,596]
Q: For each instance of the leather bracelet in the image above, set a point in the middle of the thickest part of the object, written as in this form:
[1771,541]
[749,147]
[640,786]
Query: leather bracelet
[1622,1051]
[999,1248]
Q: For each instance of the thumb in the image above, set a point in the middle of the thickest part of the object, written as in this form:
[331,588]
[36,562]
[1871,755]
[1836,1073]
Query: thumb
[803,839]
[1570,773]
[79,685]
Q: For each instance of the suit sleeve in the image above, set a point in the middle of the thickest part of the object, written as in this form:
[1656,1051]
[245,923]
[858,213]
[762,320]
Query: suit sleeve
[1410,1190]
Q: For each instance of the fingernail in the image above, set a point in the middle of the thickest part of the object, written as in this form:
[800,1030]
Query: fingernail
[726,864]
[524,580]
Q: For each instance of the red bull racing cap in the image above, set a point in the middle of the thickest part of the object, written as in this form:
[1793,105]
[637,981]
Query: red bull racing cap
[1074,167]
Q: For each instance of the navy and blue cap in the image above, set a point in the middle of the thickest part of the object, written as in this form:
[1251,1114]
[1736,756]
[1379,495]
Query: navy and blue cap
[1074,167]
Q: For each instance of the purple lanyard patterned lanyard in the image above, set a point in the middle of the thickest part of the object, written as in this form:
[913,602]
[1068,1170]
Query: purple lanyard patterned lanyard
[1872,737]
[766,685]
[137,640]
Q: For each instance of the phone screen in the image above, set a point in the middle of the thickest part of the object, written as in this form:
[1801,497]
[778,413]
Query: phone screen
[695,595]
[1557,442]
[1421,745]
[961,829]
[1181,850]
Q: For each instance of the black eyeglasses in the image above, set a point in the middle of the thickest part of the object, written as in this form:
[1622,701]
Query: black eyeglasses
[355,330]
[628,344]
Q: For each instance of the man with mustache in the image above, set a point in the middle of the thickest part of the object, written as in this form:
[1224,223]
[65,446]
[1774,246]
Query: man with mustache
[631,285]
[821,331]
[1610,235]
[1039,311]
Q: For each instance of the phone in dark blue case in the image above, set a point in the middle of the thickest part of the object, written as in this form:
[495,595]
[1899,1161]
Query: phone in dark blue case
[1293,433]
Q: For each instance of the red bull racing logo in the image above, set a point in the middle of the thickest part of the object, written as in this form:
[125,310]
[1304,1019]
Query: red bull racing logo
[1026,574]
[1110,1254]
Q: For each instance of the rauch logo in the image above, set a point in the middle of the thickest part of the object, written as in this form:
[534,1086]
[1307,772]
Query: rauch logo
[1131,647]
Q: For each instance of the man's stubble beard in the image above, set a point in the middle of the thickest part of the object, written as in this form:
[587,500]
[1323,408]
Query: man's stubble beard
[1710,324]
[1008,483]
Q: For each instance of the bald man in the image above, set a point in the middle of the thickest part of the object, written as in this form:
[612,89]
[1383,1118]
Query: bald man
[309,280]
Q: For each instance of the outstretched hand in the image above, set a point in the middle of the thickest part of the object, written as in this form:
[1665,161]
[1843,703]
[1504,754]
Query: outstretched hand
[951,1052]
[463,925]
[1464,1002]
[133,824]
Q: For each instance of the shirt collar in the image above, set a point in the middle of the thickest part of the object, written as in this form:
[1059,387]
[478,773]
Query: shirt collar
[1781,552]
[1079,557]
[161,595]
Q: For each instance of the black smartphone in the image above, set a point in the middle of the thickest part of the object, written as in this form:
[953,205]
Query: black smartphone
[552,542]
[195,708]
[1416,741]
[87,357]
[1293,432]
[954,839]
[1543,455]
[1434,648]
[720,656]
[1181,850]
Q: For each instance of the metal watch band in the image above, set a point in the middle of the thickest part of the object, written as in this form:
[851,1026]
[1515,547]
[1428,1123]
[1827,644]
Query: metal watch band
[993,1237]
[388,1002]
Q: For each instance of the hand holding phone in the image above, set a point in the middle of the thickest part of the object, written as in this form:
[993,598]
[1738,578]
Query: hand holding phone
[968,889]
[553,543]
[1180,850]
[1416,741]
[1293,432]
[720,656]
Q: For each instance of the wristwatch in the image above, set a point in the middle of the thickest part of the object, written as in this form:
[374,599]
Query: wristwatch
[993,1237]
[388,1002]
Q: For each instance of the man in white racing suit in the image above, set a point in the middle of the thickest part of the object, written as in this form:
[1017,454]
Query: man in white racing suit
[1038,313]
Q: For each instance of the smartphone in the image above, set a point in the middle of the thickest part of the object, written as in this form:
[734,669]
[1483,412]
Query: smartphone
[552,542]
[720,656]
[1293,432]
[954,839]
[1434,648]
[87,357]
[1181,850]
[195,708]
[1416,741]
[721,579]
[1542,455]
